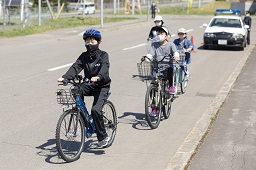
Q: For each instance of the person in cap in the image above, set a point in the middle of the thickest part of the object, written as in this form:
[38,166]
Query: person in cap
[153,10]
[184,45]
[164,51]
[248,21]
[95,65]
[158,23]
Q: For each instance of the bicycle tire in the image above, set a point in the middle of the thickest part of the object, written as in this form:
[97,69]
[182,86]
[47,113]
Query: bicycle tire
[167,102]
[68,141]
[183,82]
[110,120]
[153,101]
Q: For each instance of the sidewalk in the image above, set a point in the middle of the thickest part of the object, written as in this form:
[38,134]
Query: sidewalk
[231,141]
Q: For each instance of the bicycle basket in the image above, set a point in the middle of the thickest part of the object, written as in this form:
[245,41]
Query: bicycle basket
[145,70]
[65,97]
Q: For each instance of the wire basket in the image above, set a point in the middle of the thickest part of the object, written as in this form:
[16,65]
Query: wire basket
[145,70]
[65,97]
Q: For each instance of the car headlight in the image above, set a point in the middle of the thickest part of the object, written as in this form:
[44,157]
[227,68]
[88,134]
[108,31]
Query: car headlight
[209,35]
[237,36]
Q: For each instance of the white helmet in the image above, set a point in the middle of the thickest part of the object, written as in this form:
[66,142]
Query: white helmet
[158,18]
[182,30]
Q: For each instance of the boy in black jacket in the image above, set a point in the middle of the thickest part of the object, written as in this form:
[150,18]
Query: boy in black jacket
[95,64]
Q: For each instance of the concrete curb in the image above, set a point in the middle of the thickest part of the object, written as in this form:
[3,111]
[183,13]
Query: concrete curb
[185,152]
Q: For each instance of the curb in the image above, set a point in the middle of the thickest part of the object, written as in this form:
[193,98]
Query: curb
[188,148]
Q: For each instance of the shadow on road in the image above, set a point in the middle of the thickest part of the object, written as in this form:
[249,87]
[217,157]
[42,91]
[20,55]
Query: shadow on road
[137,120]
[49,150]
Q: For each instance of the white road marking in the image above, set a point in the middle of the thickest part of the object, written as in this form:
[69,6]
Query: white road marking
[136,46]
[60,67]
[129,48]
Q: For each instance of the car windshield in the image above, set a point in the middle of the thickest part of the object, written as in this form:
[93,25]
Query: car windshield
[225,22]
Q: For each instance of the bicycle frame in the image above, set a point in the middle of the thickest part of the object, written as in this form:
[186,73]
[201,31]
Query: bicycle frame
[85,115]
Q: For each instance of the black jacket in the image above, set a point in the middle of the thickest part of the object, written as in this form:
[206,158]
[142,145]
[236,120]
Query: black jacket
[155,28]
[248,21]
[97,65]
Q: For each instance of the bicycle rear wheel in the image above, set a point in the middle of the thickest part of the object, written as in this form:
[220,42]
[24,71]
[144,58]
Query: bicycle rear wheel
[110,120]
[183,81]
[70,135]
[153,106]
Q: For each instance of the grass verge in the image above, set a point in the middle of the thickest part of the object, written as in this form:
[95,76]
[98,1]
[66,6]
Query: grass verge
[58,24]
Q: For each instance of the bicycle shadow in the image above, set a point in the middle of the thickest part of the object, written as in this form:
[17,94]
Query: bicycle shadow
[137,120]
[49,150]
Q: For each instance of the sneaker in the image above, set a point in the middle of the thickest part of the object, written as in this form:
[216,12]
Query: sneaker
[153,112]
[172,90]
[104,142]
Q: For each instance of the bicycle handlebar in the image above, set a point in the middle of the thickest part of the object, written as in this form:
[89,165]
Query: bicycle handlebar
[77,80]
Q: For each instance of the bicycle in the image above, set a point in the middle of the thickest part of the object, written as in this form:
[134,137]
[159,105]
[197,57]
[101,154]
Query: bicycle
[157,97]
[180,77]
[76,123]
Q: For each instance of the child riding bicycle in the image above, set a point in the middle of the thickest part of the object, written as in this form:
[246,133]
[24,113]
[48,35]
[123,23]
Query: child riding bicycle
[95,64]
[165,51]
[184,44]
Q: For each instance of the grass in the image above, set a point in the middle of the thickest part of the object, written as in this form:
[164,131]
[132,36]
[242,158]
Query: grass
[13,31]
[208,9]
[58,24]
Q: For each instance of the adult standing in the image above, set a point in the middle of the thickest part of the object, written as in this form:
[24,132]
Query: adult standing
[248,21]
[153,10]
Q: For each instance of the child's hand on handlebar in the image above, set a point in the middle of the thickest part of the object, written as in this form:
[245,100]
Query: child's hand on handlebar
[175,58]
[95,79]
[60,79]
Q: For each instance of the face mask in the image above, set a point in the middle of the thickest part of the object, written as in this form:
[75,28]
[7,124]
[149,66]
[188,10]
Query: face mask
[158,23]
[92,48]
[181,36]
[161,38]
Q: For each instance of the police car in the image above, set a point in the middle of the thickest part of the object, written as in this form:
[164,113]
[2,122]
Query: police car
[226,30]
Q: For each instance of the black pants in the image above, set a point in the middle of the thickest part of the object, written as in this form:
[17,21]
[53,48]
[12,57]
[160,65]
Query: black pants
[153,14]
[100,96]
[248,37]
[170,75]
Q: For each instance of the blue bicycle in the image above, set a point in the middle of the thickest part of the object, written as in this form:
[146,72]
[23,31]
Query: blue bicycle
[76,124]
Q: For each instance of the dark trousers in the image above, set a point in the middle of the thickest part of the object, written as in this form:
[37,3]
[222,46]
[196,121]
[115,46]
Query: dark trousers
[170,75]
[153,14]
[100,96]
[248,37]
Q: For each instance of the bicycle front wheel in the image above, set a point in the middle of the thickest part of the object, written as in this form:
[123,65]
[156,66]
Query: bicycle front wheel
[110,120]
[167,102]
[70,135]
[183,82]
[153,106]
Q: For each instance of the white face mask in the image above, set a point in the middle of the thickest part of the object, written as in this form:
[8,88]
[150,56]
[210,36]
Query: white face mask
[158,23]
[181,36]
[161,38]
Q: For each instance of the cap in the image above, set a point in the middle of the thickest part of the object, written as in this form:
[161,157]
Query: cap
[182,30]
[158,18]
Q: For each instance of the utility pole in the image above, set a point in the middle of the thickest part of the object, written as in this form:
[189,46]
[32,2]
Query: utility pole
[101,13]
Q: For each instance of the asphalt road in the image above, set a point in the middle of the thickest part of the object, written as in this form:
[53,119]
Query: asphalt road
[29,82]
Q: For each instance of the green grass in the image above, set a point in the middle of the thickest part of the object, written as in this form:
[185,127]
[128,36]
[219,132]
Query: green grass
[13,31]
[58,24]
[208,9]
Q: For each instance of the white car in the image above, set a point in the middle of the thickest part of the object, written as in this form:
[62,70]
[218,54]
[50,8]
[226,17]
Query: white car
[88,8]
[225,30]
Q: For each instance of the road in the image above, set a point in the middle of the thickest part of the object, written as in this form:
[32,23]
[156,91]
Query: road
[29,111]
